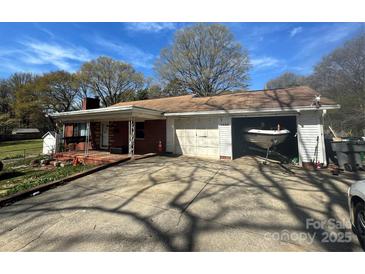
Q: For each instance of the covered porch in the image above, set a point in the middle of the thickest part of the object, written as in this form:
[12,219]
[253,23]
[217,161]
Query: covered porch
[107,133]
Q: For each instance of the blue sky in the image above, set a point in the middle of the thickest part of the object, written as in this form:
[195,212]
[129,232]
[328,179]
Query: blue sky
[273,47]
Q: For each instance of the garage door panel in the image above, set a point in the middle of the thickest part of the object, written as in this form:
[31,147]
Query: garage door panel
[190,133]
[201,133]
[190,141]
[187,150]
[180,132]
[197,137]
[208,151]
[207,142]
[213,133]
[178,148]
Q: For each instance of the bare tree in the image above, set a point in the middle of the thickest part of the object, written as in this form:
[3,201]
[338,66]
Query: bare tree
[205,60]
[341,76]
[84,89]
[174,88]
[19,79]
[61,89]
[286,80]
[113,81]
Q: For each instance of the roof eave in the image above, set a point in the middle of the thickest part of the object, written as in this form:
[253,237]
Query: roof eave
[109,113]
[253,111]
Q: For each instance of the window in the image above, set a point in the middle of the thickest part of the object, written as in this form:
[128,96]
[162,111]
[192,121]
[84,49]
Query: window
[82,129]
[75,130]
[139,130]
[79,129]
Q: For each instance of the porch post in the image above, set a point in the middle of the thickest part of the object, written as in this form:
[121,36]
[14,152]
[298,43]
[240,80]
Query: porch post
[131,136]
[87,139]
[63,137]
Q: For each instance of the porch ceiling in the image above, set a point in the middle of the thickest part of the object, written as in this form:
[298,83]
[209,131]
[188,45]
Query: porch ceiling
[117,113]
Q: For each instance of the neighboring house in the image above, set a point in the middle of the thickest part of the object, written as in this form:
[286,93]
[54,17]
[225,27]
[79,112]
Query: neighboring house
[24,134]
[27,131]
[202,126]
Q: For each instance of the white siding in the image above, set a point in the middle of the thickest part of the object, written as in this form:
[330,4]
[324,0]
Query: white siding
[170,133]
[197,137]
[225,137]
[49,144]
[310,137]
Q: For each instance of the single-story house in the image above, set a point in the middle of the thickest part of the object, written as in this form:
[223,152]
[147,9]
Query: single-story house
[202,126]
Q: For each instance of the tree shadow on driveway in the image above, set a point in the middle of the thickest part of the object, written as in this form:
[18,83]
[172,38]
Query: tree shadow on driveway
[181,204]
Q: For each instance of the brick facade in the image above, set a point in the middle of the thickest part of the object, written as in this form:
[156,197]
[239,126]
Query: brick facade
[95,135]
[79,144]
[118,134]
[154,132]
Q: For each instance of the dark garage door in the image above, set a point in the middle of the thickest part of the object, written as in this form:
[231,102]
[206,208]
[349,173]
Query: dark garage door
[288,149]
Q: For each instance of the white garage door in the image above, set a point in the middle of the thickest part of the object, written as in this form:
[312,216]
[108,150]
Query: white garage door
[197,137]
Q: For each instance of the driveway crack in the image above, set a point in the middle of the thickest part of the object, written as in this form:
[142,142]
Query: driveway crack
[42,232]
[200,191]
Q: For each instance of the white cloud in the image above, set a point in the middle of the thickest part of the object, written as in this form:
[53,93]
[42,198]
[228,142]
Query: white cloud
[128,53]
[295,31]
[324,37]
[45,30]
[10,65]
[151,27]
[264,62]
[62,57]
[7,64]
[338,32]
[31,54]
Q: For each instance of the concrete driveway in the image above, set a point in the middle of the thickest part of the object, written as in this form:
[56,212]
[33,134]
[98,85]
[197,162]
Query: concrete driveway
[185,204]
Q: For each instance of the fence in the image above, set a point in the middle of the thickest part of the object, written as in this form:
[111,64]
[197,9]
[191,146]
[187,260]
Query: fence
[6,133]
[19,137]
[20,153]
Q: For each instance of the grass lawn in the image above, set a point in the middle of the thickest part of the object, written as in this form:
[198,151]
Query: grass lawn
[15,149]
[15,179]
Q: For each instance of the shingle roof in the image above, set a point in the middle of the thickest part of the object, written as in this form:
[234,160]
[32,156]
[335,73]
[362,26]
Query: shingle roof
[301,96]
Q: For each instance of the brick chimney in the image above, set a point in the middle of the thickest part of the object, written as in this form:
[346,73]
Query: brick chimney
[90,103]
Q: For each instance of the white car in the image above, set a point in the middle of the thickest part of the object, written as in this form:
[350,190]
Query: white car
[356,200]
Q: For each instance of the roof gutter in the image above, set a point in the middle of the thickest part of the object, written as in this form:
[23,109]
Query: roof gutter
[134,110]
[255,111]
[93,113]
